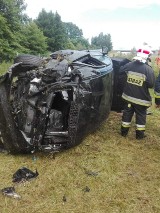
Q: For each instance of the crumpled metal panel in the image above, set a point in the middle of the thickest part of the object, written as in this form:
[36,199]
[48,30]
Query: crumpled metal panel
[53,107]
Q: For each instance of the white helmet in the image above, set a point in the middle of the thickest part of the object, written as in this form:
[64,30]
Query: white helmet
[143,54]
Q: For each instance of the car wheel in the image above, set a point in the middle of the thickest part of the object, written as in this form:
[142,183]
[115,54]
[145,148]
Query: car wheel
[73,125]
[29,61]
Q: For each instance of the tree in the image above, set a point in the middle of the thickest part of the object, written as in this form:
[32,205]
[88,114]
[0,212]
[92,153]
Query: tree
[11,22]
[59,33]
[33,39]
[75,35]
[81,43]
[72,30]
[12,11]
[53,29]
[69,45]
[9,44]
[102,41]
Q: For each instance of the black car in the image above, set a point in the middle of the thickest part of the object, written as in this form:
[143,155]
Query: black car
[119,77]
[52,104]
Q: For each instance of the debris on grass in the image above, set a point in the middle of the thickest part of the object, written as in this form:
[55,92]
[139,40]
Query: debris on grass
[24,174]
[64,198]
[91,173]
[86,189]
[10,192]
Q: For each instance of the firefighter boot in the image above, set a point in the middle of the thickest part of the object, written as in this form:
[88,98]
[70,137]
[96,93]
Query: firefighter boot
[124,131]
[140,134]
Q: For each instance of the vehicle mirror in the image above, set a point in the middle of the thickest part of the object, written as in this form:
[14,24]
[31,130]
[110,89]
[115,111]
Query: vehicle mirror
[104,50]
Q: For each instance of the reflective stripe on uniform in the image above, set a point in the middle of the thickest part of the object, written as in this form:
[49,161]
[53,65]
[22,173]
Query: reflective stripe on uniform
[136,100]
[140,127]
[126,124]
[156,94]
[141,75]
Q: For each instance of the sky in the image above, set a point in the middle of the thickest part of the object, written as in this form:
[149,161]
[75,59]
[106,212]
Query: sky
[129,22]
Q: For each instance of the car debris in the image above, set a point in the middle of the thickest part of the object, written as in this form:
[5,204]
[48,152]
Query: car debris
[10,192]
[91,173]
[24,174]
[20,176]
[64,199]
[86,189]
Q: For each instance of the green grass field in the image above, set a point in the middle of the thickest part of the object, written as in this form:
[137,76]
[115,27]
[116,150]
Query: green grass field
[106,173]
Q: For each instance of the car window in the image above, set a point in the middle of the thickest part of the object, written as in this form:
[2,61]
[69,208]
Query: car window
[103,58]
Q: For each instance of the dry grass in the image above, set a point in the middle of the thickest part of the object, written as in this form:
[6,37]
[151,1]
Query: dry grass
[104,174]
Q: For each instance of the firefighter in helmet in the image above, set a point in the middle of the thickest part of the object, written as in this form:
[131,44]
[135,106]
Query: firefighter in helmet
[139,78]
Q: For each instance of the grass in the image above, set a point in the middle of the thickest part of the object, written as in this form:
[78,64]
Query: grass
[106,173]
[4,67]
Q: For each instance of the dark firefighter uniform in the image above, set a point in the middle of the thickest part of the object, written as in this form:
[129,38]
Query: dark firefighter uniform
[157,91]
[139,78]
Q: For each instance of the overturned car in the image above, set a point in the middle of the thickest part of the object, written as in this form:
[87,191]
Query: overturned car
[52,104]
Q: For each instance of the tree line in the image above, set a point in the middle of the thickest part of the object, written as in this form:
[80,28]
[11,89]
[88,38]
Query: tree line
[45,34]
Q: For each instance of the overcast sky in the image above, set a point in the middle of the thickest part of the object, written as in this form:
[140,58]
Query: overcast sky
[130,22]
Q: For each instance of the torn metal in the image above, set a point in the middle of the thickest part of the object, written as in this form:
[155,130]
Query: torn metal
[24,174]
[52,104]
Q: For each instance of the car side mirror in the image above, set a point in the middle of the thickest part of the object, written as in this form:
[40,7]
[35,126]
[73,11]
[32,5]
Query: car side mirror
[104,50]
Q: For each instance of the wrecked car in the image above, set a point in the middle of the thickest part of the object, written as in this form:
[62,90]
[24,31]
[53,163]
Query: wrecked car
[52,104]
[119,77]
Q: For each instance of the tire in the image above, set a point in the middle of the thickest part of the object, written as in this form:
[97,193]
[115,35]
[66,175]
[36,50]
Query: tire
[29,62]
[13,139]
[73,126]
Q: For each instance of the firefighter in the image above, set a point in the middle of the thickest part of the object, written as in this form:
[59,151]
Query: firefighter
[157,91]
[139,78]
[157,83]
[157,60]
